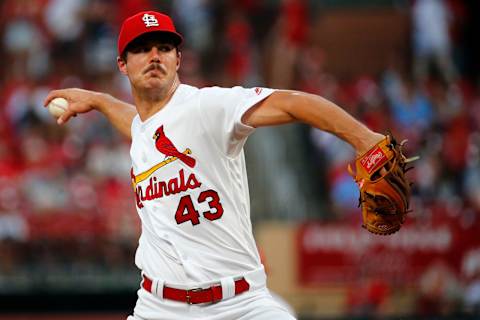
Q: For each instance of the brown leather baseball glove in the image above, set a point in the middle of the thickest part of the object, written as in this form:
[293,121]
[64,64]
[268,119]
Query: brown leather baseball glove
[384,188]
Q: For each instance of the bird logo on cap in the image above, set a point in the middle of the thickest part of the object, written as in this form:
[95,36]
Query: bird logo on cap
[150,20]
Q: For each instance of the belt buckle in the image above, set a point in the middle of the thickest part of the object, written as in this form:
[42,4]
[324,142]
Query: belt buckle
[188,297]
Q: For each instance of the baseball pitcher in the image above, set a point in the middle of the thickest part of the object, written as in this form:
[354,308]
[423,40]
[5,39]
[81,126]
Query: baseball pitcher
[196,252]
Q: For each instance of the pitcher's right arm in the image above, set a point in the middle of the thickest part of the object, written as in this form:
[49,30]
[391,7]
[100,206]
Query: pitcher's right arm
[118,112]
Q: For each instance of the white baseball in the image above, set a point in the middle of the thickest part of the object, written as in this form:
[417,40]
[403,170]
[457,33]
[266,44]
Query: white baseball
[57,107]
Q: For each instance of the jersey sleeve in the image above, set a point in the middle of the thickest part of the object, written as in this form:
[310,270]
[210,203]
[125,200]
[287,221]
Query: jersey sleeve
[221,111]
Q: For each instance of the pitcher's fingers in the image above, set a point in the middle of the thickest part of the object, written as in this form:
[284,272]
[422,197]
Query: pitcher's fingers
[51,95]
[65,117]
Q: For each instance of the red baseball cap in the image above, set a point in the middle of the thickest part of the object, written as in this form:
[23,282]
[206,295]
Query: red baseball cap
[145,22]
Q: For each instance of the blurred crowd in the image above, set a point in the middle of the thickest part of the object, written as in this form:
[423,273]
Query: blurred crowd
[62,183]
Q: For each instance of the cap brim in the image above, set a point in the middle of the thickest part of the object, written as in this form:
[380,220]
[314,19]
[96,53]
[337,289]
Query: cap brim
[176,38]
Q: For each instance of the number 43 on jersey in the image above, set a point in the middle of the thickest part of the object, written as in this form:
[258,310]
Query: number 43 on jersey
[186,209]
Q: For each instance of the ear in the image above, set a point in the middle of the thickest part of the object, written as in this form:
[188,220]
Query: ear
[122,65]
[179,59]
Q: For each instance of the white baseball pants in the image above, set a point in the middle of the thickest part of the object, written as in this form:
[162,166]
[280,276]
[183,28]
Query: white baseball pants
[251,305]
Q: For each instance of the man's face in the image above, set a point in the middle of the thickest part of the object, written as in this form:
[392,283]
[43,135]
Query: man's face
[151,62]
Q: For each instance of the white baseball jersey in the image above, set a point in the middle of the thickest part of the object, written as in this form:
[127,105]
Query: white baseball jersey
[190,183]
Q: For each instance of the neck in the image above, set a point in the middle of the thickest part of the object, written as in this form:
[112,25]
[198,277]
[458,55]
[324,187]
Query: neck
[149,102]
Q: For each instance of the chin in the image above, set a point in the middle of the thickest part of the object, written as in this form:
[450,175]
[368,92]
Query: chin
[155,85]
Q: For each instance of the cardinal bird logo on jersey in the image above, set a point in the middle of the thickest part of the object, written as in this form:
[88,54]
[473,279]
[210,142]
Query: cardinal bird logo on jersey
[165,146]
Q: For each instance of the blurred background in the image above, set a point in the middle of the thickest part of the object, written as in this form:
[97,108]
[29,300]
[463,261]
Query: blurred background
[68,226]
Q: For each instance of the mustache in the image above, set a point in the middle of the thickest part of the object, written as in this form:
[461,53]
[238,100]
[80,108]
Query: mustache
[155,66]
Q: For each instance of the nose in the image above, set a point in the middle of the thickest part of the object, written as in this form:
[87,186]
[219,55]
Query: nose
[154,54]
